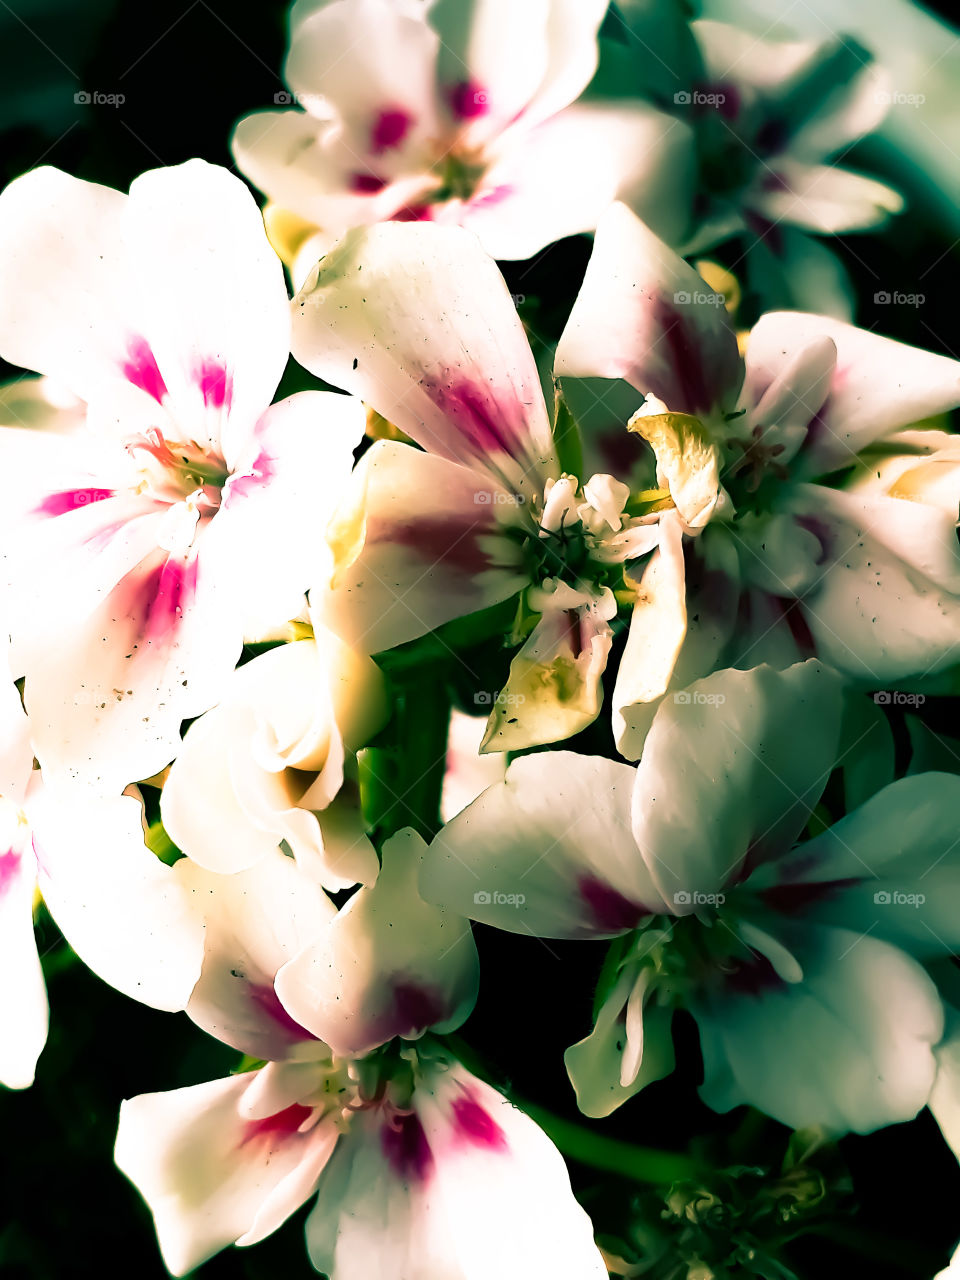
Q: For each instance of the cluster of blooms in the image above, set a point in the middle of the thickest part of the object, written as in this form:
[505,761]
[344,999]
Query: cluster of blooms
[786,541]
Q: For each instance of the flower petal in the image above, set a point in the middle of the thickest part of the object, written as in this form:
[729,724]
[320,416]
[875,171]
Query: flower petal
[642,314]
[849,1046]
[388,965]
[210,1176]
[548,851]
[417,321]
[720,782]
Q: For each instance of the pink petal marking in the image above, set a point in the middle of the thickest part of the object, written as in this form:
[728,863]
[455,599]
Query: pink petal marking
[468,100]
[366,184]
[474,1124]
[266,1002]
[440,540]
[165,591]
[244,483]
[413,213]
[282,1124]
[404,1144]
[141,368]
[487,425]
[389,129]
[64,500]
[215,383]
[493,196]
[9,866]
[609,909]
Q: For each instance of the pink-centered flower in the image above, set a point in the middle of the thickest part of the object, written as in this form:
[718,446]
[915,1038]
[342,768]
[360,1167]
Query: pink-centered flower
[405,1150]
[456,111]
[784,531]
[802,964]
[186,510]
[417,321]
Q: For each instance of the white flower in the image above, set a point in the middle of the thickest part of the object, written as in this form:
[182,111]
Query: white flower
[802,966]
[417,321]
[456,111]
[187,508]
[783,563]
[405,1149]
[273,764]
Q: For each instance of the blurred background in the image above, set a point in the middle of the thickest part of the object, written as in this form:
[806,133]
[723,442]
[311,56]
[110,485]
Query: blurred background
[106,89]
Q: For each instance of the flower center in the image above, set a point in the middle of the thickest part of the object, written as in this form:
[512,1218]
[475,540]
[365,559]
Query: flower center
[172,470]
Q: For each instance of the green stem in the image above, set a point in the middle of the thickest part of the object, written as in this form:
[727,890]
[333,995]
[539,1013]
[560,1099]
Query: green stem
[643,1164]
[401,780]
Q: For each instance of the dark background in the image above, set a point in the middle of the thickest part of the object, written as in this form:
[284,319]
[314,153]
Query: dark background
[187,72]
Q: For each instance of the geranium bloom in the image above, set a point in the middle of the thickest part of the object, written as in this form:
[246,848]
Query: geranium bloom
[783,563]
[456,111]
[87,859]
[769,116]
[187,508]
[418,322]
[406,1149]
[273,764]
[800,965]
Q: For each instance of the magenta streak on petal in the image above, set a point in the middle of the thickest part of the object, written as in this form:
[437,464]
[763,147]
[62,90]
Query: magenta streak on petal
[265,1001]
[165,592]
[415,1007]
[366,184]
[9,866]
[482,422]
[405,1146]
[215,383]
[282,1124]
[141,368]
[493,196]
[441,540]
[64,500]
[796,620]
[476,1125]
[413,213]
[243,484]
[389,129]
[468,100]
[794,899]
[611,912]
[689,386]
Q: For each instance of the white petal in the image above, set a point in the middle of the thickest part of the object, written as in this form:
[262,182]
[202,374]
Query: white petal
[212,1177]
[23,996]
[467,772]
[417,321]
[549,851]
[388,965]
[119,907]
